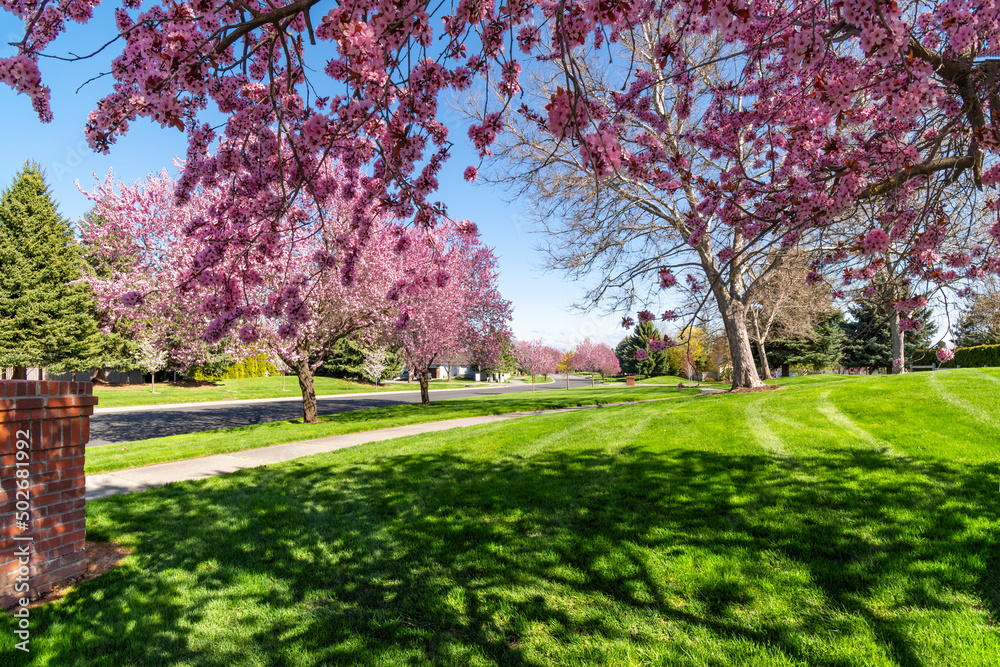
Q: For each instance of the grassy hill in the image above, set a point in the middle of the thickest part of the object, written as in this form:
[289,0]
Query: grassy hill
[841,521]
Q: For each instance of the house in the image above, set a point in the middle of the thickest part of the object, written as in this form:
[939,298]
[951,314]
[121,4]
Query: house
[458,367]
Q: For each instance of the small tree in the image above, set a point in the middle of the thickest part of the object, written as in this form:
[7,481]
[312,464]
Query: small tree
[596,358]
[690,353]
[535,358]
[565,365]
[375,363]
[787,306]
[151,359]
[607,362]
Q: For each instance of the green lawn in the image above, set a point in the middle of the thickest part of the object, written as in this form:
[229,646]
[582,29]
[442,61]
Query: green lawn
[664,380]
[176,447]
[839,522]
[225,390]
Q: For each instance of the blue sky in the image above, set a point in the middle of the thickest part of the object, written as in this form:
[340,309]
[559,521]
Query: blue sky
[542,301]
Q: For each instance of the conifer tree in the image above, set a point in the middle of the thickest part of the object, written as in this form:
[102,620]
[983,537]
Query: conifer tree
[46,319]
[657,363]
[823,348]
[868,340]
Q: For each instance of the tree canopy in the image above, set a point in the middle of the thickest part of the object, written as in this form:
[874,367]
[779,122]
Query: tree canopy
[867,129]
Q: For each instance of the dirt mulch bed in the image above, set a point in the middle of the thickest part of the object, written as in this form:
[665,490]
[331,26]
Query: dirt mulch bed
[101,557]
[755,390]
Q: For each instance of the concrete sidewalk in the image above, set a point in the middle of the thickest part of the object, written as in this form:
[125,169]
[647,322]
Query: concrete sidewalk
[147,477]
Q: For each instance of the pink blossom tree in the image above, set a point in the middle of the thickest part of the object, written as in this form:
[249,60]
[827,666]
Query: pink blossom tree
[300,307]
[448,300]
[607,361]
[139,255]
[536,358]
[594,357]
[815,114]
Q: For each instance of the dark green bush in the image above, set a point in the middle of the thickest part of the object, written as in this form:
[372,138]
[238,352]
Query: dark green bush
[980,356]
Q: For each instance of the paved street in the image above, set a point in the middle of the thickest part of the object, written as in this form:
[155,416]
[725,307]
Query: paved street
[119,425]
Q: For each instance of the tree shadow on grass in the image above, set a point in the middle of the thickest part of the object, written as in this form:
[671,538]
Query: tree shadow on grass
[442,558]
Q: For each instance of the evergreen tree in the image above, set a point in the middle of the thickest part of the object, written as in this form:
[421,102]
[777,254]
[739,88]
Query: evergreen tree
[345,361]
[626,358]
[46,319]
[823,349]
[348,357]
[657,364]
[868,343]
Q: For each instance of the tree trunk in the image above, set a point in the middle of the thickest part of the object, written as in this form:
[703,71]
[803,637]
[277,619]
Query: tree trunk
[304,372]
[734,316]
[898,341]
[764,365]
[100,374]
[20,373]
[425,394]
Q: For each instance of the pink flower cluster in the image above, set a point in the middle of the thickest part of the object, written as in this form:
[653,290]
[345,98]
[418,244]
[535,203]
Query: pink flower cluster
[667,278]
[876,242]
[944,355]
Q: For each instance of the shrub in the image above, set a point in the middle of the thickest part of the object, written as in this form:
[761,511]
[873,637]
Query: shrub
[254,367]
[980,356]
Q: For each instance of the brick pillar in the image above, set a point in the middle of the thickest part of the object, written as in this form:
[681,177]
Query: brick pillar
[44,427]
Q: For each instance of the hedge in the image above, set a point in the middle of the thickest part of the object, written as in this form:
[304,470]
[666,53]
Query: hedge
[254,367]
[980,356]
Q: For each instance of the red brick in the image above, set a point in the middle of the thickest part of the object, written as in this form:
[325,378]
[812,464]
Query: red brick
[45,477]
[46,499]
[59,529]
[62,463]
[57,416]
[73,536]
[43,546]
[60,485]
[58,507]
[77,433]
